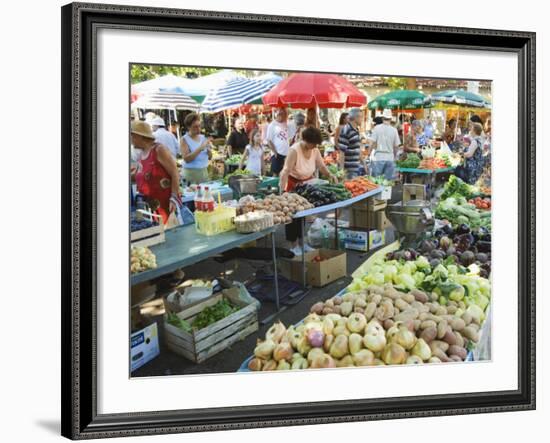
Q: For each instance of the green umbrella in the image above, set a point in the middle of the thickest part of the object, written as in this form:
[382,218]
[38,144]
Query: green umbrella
[461,97]
[401,99]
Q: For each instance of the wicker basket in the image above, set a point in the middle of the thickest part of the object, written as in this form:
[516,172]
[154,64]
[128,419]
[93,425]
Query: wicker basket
[253,221]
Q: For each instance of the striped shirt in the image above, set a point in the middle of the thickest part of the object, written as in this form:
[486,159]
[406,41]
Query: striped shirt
[349,142]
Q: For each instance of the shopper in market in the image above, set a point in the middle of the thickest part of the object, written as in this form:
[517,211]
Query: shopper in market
[251,124]
[277,139]
[165,137]
[238,139]
[473,163]
[195,150]
[299,125]
[428,128]
[312,120]
[156,176]
[384,145]
[411,143]
[253,154]
[450,133]
[303,162]
[349,142]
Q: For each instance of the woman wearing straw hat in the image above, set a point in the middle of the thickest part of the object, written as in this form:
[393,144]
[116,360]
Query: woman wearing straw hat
[157,176]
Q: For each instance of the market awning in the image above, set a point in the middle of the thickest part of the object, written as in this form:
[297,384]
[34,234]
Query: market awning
[165,100]
[461,97]
[199,88]
[401,99]
[307,90]
[169,81]
[238,92]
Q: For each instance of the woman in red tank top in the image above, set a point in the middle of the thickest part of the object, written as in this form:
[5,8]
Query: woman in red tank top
[157,176]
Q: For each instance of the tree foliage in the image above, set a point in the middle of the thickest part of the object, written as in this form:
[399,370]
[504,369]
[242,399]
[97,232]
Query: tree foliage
[397,82]
[140,73]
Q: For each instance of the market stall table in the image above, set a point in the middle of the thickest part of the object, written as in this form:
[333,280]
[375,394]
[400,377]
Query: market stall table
[326,208]
[184,247]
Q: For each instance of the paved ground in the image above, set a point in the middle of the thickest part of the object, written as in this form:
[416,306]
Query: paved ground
[229,360]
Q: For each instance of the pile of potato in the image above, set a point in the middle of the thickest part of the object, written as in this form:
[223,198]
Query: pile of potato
[283,207]
[376,326]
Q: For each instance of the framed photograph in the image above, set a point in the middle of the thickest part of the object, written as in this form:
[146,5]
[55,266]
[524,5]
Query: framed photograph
[275,221]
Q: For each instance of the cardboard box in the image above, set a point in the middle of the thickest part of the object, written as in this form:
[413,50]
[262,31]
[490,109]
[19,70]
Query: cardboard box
[333,267]
[364,240]
[386,193]
[144,346]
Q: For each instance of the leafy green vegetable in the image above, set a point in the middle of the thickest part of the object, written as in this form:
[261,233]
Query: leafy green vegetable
[380,180]
[234,159]
[237,172]
[174,320]
[214,313]
[458,211]
[412,162]
[336,170]
[457,187]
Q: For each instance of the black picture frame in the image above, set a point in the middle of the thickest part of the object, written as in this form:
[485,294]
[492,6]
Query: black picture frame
[79,174]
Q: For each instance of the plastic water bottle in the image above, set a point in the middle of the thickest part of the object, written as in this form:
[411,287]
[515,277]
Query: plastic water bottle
[198,199]
[324,237]
[208,200]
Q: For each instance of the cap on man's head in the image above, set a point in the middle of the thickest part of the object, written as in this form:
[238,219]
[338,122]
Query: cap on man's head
[157,121]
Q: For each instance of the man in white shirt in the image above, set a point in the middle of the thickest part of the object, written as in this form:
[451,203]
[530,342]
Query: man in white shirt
[384,148]
[277,138]
[165,137]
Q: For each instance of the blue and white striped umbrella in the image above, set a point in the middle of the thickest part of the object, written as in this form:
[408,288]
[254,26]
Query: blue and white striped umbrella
[238,92]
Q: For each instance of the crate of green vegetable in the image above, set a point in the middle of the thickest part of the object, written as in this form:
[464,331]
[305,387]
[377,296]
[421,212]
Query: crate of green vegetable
[211,326]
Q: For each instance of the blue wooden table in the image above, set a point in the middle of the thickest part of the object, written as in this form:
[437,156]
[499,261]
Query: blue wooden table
[184,246]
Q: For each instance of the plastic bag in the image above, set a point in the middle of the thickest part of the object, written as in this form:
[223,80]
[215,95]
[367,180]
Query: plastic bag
[240,293]
[319,231]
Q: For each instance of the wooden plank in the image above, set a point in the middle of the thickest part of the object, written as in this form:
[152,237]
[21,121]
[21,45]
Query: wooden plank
[227,342]
[147,232]
[226,332]
[151,241]
[180,343]
[214,327]
[173,330]
[180,351]
[195,309]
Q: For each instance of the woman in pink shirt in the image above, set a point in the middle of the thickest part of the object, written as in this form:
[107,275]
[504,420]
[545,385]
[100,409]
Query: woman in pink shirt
[301,164]
[304,160]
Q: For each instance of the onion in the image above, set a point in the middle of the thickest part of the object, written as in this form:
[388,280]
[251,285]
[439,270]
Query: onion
[414,360]
[340,346]
[276,332]
[264,349]
[334,318]
[315,338]
[345,362]
[337,300]
[292,336]
[374,328]
[340,330]
[296,356]
[323,361]
[283,351]
[270,365]
[363,358]
[303,346]
[314,353]
[329,303]
[346,308]
[328,326]
[378,362]
[356,322]
[422,350]
[329,339]
[434,360]
[255,364]
[394,354]
[300,363]
[312,317]
[405,338]
[374,343]
[283,366]
[355,342]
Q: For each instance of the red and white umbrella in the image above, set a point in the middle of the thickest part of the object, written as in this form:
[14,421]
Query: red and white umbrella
[305,90]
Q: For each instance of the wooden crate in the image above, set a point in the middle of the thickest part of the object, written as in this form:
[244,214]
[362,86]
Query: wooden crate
[148,236]
[200,345]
